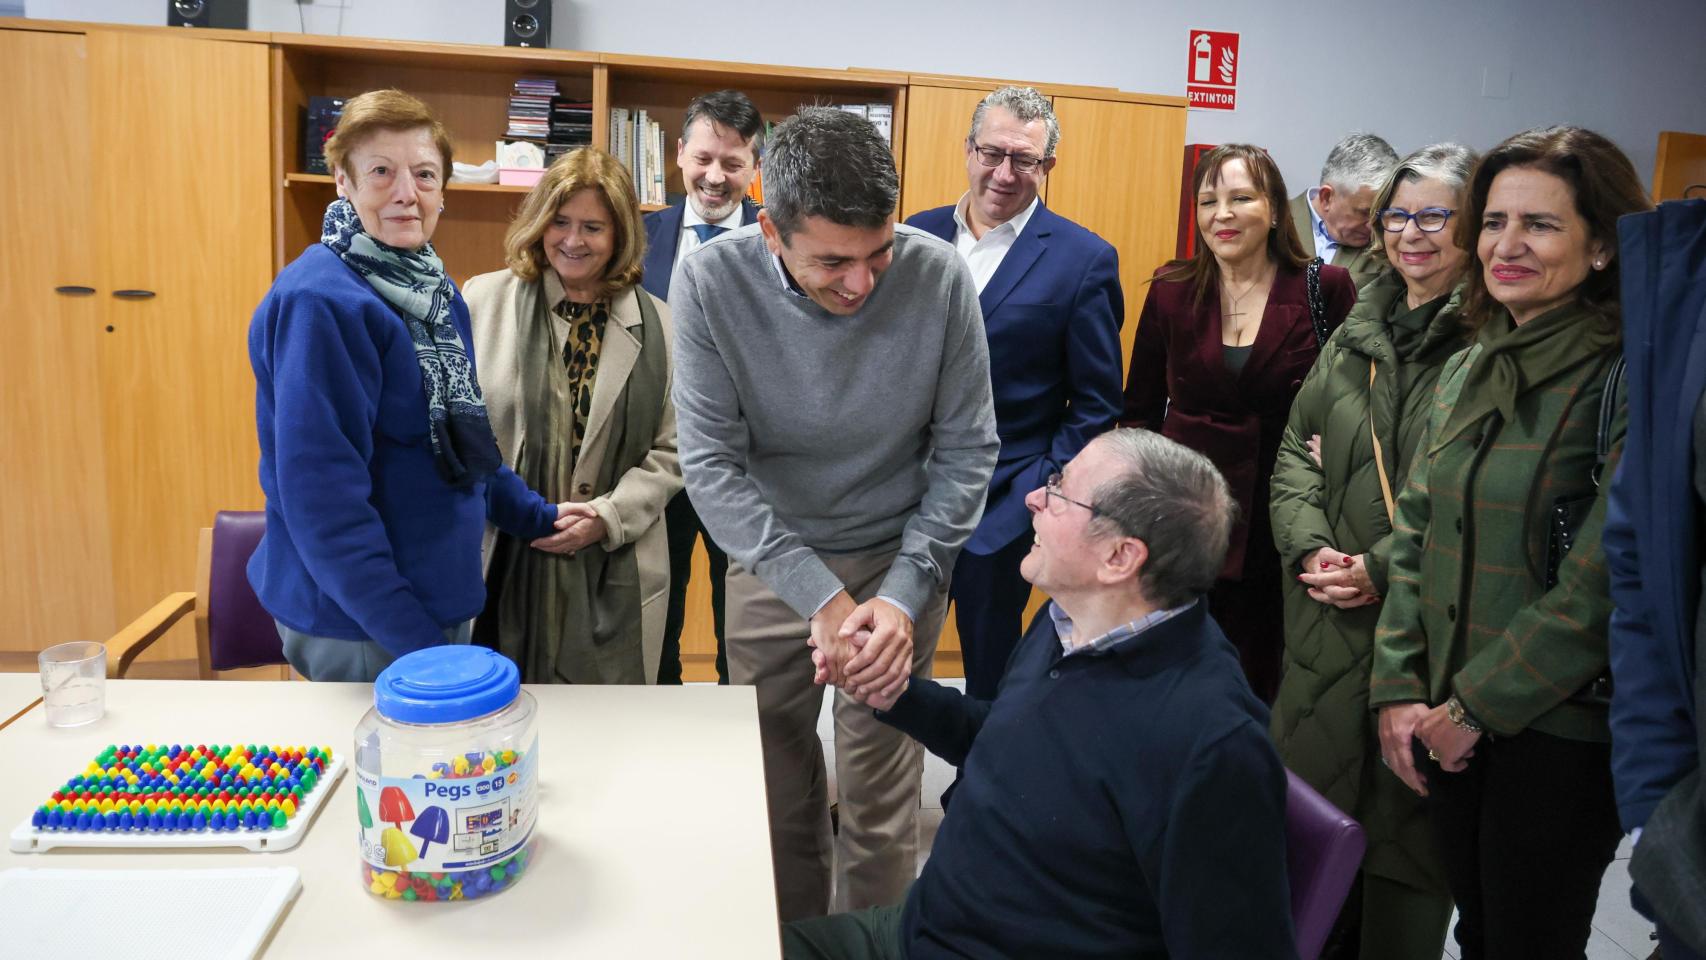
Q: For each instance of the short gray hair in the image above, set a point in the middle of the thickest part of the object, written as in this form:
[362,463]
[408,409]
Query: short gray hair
[1026,104]
[1448,163]
[1174,500]
[1359,160]
[826,162]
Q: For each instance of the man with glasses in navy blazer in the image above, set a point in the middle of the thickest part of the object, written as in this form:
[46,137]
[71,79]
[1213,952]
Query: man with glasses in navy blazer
[718,153]
[1052,309]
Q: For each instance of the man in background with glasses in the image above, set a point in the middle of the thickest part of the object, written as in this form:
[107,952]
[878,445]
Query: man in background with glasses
[1332,218]
[1120,797]
[1052,309]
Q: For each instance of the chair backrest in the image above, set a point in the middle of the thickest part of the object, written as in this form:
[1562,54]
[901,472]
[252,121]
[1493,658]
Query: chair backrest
[1324,849]
[232,629]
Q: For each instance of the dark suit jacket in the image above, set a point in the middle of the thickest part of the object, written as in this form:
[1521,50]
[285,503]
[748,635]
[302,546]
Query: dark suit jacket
[1658,713]
[1052,313]
[663,235]
[1179,384]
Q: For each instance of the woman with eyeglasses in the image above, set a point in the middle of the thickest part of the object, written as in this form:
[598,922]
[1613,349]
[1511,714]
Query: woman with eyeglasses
[1225,340]
[1350,440]
[1490,656]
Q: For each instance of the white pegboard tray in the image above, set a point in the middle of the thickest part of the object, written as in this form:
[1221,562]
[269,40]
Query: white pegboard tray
[28,839]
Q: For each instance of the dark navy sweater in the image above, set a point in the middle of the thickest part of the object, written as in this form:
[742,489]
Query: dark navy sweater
[1125,804]
[365,540]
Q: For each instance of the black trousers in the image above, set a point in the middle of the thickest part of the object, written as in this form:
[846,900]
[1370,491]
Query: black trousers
[683,526]
[989,599]
[1526,833]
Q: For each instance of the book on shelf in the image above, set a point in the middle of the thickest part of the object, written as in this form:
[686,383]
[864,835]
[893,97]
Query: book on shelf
[320,121]
[530,108]
[637,142]
[881,116]
[540,114]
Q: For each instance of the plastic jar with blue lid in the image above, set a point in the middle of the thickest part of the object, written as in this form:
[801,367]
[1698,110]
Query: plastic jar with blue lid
[446,767]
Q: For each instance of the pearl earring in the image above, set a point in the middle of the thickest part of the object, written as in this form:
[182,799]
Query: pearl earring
[1599,264]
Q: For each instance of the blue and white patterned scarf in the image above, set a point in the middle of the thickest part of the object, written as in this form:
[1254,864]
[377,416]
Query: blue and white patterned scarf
[414,282]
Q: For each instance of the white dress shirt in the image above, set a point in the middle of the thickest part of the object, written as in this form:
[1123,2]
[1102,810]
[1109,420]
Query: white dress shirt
[984,255]
[689,217]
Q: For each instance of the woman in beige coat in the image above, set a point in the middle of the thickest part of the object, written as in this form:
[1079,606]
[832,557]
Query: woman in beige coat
[574,358]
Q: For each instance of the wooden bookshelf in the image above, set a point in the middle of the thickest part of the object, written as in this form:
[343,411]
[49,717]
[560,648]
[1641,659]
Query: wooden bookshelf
[469,87]
[1118,175]
[451,187]
[662,86]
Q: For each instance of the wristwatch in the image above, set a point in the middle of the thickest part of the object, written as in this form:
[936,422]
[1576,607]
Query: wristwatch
[1459,716]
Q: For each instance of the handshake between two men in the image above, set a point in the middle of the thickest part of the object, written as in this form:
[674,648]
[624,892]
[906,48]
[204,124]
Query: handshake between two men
[865,649]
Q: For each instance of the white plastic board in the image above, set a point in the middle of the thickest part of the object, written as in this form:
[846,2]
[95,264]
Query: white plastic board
[28,839]
[70,913]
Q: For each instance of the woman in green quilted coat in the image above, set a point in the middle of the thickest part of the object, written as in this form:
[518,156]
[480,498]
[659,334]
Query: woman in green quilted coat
[1333,528]
[1491,645]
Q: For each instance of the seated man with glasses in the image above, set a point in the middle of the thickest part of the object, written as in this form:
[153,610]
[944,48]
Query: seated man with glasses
[1052,309]
[1120,796]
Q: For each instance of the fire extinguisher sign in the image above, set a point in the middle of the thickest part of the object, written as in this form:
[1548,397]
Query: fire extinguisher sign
[1212,71]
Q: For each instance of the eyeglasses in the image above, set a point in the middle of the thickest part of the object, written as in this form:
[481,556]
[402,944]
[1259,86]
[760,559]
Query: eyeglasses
[1428,219]
[1051,487]
[1022,162]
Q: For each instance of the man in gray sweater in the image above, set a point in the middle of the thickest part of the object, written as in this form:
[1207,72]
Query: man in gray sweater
[837,434]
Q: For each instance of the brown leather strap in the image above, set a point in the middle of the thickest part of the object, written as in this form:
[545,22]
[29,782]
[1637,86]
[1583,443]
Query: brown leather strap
[1379,461]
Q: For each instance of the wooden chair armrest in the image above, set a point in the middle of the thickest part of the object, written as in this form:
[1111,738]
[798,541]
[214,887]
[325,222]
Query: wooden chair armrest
[139,634]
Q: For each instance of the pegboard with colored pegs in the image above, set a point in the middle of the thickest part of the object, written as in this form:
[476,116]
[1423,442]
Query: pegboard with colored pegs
[256,796]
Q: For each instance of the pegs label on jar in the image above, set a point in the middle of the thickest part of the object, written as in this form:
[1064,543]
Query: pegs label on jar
[470,812]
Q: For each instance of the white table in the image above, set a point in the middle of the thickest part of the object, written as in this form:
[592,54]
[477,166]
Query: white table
[652,838]
[20,693]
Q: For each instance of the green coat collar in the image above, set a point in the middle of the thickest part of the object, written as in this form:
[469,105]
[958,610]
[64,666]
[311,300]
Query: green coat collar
[1507,361]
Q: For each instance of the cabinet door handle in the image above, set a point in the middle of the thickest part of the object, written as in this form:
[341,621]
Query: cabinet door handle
[73,290]
[133,294]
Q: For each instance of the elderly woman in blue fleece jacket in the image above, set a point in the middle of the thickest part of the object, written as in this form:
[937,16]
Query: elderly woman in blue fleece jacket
[379,467]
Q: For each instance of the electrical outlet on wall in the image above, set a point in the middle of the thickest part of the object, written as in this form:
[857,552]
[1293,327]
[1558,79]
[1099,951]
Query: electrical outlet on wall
[1495,83]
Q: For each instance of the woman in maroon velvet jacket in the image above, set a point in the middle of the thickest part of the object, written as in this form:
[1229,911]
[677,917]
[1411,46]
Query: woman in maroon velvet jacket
[1223,344]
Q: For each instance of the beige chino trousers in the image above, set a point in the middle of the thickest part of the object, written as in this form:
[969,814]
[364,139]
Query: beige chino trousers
[878,769]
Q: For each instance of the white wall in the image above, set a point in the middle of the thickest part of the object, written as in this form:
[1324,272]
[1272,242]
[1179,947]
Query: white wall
[1312,69]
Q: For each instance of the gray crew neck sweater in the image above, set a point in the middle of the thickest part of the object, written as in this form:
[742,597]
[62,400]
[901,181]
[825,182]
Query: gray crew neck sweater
[804,433]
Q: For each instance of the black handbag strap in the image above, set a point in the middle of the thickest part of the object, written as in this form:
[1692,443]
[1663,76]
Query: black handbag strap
[1607,413]
[1317,310]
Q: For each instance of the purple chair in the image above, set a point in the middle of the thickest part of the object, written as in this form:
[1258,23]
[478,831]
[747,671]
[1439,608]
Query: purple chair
[1324,849]
[231,628]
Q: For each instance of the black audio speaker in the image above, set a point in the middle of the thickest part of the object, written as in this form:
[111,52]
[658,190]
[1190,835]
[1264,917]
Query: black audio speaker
[226,14]
[527,23]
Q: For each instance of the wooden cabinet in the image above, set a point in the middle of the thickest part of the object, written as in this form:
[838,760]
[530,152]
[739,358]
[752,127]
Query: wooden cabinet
[138,170]
[938,119]
[55,541]
[1119,176]
[1679,167]
[169,163]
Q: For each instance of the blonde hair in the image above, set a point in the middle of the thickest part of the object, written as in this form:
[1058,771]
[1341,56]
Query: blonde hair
[379,110]
[587,168]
